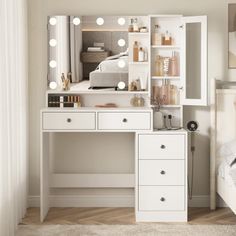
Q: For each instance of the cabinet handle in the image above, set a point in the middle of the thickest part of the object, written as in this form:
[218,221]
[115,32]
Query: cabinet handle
[124,120]
[68,120]
[163,172]
[163,146]
[162,199]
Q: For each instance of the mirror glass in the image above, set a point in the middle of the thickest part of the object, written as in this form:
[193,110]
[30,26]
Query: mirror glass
[193,61]
[91,50]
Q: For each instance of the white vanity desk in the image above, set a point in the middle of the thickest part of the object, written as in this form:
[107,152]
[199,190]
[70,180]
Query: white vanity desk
[160,179]
[160,175]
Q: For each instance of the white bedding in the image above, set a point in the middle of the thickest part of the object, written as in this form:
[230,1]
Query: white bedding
[112,65]
[226,162]
[227,173]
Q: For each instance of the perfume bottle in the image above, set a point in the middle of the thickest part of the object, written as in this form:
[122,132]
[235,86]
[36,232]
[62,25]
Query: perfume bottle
[135,25]
[159,67]
[174,64]
[167,39]
[131,28]
[135,52]
[141,55]
[156,37]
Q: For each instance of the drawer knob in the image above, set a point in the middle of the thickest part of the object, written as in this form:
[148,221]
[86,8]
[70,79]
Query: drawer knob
[162,199]
[162,172]
[68,120]
[124,120]
[163,146]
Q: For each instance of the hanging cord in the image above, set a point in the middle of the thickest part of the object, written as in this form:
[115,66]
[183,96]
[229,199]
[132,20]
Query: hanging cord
[190,180]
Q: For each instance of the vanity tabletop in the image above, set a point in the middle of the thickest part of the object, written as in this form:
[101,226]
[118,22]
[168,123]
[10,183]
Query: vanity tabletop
[94,109]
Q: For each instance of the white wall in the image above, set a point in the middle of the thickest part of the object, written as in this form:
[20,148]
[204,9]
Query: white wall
[217,62]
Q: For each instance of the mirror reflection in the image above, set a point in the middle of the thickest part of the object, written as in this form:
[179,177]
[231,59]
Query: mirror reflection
[92,51]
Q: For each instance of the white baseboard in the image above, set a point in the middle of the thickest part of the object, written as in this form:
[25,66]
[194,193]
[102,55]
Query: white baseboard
[199,201]
[108,201]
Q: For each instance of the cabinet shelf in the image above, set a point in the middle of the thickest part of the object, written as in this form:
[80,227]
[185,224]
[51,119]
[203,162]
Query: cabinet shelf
[138,63]
[139,34]
[176,47]
[166,77]
[168,106]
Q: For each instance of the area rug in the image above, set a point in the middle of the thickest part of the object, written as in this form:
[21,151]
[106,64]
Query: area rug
[149,229]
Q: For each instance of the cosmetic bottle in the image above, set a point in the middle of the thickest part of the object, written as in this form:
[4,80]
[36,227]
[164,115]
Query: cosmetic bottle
[167,39]
[165,92]
[156,90]
[135,25]
[159,66]
[131,28]
[141,54]
[174,67]
[156,37]
[166,64]
[135,52]
[172,95]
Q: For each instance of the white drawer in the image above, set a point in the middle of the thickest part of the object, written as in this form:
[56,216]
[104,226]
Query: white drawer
[69,120]
[162,146]
[161,172]
[161,198]
[124,121]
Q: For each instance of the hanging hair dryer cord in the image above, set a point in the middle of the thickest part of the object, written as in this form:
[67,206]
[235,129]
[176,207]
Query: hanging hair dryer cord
[190,180]
[192,126]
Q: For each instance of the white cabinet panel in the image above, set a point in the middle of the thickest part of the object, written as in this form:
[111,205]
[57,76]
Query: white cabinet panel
[161,146]
[124,120]
[161,198]
[161,172]
[194,61]
[69,121]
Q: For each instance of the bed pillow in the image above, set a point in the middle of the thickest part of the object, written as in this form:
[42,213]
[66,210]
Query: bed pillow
[231,159]
[228,152]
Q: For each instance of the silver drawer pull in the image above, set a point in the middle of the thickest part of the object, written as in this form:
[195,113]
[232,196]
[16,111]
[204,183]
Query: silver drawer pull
[124,120]
[162,172]
[163,146]
[162,199]
[68,120]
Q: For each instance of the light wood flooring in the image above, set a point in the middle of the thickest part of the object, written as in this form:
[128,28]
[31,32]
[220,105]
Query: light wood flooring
[126,216]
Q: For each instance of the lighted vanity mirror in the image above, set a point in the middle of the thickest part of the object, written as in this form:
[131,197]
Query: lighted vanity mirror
[93,51]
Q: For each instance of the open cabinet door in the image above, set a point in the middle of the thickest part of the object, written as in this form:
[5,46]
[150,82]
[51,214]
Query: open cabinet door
[194,61]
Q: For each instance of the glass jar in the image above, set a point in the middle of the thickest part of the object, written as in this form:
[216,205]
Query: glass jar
[159,66]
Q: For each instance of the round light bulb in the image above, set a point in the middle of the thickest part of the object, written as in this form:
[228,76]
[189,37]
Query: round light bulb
[121,85]
[52,64]
[53,85]
[121,21]
[76,21]
[52,21]
[53,42]
[100,21]
[121,42]
[121,63]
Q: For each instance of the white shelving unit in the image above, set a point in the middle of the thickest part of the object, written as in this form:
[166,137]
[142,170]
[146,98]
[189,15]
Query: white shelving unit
[172,25]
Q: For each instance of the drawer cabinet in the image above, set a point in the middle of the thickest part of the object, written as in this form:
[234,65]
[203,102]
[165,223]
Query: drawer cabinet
[161,186]
[124,121]
[161,146]
[69,121]
[161,172]
[161,198]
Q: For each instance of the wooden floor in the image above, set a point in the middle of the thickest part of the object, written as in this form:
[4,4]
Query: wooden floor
[121,216]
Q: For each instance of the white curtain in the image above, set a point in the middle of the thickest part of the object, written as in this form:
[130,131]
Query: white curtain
[13,114]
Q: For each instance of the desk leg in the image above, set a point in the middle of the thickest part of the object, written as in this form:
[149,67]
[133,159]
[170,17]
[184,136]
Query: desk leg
[44,175]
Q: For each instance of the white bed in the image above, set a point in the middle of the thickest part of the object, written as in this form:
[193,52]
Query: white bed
[108,73]
[223,144]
